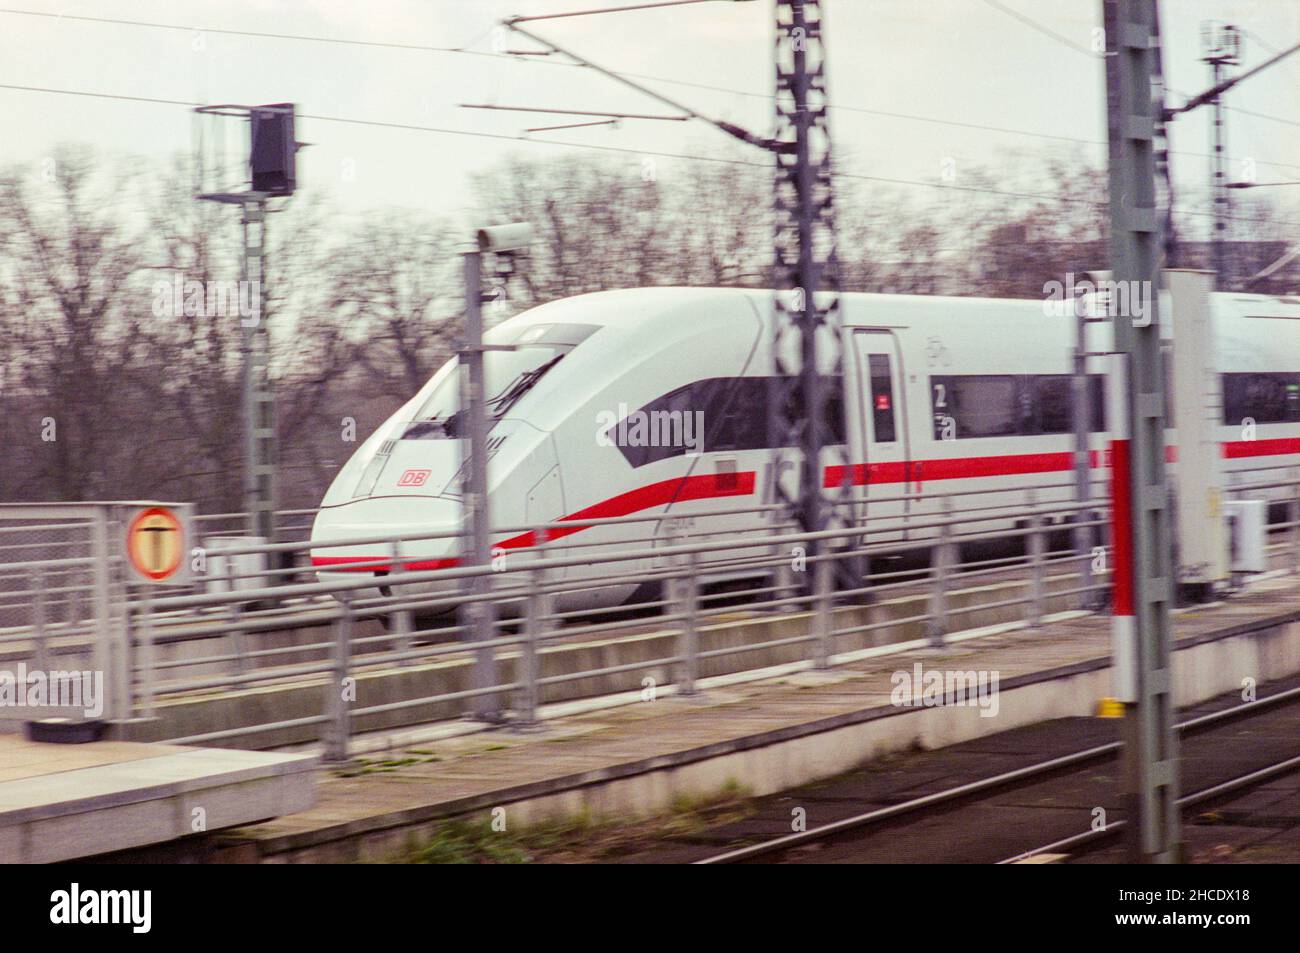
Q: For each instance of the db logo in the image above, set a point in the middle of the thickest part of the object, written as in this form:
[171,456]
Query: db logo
[413,477]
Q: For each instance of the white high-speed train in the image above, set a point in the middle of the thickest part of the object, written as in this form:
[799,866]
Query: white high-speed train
[651,402]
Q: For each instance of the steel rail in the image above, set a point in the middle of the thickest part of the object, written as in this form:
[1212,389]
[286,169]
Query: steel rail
[1092,839]
[1034,772]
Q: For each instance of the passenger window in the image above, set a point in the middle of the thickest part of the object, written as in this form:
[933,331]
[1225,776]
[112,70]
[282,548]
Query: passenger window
[975,405]
[882,397]
[832,407]
[1098,390]
[659,429]
[734,412]
[1264,398]
[1054,402]
[1004,405]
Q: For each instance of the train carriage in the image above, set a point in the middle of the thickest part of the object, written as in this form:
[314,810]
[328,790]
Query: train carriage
[650,405]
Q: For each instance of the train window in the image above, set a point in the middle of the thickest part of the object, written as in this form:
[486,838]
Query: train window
[835,410]
[568,334]
[1167,382]
[975,405]
[734,417]
[719,414]
[832,408]
[1054,403]
[508,376]
[1098,392]
[699,417]
[668,427]
[882,397]
[1003,405]
[1263,398]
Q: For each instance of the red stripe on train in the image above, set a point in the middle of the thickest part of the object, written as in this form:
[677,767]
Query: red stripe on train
[705,487]
[677,490]
[1236,449]
[377,563]
[718,485]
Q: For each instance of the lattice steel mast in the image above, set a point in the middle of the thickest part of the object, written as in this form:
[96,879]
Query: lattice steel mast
[1143,577]
[805,271]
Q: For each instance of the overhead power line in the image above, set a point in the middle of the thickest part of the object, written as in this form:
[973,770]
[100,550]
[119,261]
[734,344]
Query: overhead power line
[216,31]
[598,147]
[1251,112]
[1219,89]
[1046,31]
[626,8]
[465,51]
[1066,41]
[571,112]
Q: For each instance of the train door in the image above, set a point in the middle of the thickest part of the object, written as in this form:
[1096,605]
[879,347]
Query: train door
[882,419]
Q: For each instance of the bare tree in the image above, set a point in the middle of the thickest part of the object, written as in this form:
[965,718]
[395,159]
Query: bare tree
[394,285]
[70,264]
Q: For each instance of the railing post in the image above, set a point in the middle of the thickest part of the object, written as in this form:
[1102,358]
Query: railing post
[338,728]
[72,611]
[782,574]
[1037,540]
[1294,519]
[537,612]
[145,670]
[823,617]
[232,617]
[1083,537]
[688,596]
[39,620]
[109,653]
[785,586]
[400,621]
[941,562]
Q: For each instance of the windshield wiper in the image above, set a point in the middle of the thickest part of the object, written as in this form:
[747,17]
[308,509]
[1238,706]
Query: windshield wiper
[499,405]
[449,426]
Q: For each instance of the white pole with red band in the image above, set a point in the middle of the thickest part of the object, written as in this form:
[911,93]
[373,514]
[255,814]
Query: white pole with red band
[1123,633]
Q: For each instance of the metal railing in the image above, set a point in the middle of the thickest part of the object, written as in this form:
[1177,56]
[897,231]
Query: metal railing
[710,603]
[794,591]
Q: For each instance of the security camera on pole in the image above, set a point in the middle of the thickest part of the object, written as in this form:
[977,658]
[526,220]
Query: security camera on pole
[478,614]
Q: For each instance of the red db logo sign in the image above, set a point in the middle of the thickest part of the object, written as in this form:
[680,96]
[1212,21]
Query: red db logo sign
[413,477]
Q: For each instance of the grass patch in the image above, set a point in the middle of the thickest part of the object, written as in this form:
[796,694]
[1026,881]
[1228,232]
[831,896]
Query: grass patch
[577,838]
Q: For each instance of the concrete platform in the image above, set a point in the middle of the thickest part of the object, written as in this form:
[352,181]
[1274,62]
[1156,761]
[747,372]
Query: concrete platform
[758,736]
[64,801]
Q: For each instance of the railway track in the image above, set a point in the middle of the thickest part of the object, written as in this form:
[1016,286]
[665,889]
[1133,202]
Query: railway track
[1091,840]
[965,796]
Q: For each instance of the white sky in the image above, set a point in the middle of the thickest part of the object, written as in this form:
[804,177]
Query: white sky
[961,60]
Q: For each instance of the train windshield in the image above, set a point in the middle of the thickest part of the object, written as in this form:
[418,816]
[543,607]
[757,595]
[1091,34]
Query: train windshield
[508,375]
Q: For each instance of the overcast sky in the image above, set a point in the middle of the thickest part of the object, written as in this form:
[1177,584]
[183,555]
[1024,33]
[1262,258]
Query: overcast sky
[962,61]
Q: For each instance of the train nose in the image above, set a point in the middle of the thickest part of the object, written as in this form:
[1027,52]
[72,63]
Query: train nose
[417,532]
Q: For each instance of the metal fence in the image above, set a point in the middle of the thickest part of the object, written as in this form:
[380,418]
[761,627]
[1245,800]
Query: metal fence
[57,587]
[827,583]
[710,604]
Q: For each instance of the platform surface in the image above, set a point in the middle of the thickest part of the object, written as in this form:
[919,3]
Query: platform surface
[419,781]
[67,801]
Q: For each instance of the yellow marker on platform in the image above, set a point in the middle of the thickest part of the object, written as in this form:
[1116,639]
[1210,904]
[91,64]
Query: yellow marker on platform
[1110,708]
